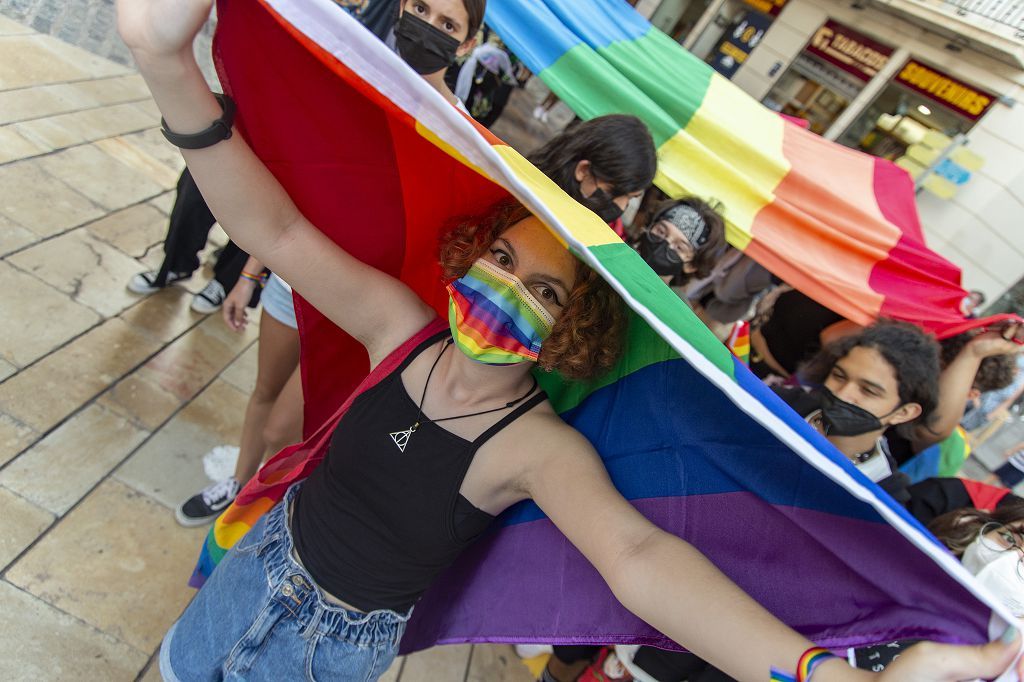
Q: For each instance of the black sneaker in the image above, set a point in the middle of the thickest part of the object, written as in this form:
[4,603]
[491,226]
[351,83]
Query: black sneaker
[145,282]
[207,505]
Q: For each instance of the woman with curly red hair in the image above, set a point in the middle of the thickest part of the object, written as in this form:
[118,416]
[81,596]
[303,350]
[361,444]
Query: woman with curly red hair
[418,466]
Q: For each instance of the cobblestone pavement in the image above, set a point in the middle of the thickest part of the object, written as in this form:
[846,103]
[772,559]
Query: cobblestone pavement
[108,401]
[90,25]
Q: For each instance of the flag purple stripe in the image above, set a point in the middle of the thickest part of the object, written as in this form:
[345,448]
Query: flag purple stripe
[842,596]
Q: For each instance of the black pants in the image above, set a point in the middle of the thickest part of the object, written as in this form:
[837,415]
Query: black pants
[187,231]
[674,666]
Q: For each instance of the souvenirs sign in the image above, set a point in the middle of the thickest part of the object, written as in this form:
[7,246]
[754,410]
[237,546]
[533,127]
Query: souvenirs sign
[966,100]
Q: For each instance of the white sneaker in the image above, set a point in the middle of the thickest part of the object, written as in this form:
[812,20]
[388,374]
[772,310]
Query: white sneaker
[209,299]
[531,650]
[145,282]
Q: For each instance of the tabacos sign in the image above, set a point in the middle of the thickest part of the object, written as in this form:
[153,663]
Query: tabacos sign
[851,51]
[966,100]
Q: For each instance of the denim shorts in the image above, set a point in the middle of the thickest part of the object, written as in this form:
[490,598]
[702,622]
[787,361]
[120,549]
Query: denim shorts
[278,302]
[261,617]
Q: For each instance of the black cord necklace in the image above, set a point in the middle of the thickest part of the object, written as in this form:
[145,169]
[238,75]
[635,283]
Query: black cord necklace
[401,438]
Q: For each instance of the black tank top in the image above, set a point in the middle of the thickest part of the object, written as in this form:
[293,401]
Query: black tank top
[374,525]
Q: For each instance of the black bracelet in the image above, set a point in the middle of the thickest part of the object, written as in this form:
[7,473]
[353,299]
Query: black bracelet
[218,130]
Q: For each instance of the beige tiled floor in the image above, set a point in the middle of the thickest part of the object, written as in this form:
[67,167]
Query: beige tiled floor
[108,401]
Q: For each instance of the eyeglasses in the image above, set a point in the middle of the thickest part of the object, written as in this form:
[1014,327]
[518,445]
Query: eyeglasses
[680,248]
[1011,541]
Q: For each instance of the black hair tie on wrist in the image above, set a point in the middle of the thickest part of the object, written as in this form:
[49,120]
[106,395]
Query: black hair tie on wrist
[219,130]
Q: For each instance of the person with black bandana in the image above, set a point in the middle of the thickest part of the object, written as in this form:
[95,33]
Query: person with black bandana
[684,240]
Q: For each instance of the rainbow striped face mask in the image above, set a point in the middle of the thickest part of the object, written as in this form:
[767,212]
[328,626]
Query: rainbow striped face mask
[494,318]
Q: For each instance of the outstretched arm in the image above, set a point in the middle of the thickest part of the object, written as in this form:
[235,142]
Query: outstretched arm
[247,199]
[671,585]
[955,383]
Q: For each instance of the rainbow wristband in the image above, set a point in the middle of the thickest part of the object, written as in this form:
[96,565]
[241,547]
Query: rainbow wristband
[805,666]
[259,279]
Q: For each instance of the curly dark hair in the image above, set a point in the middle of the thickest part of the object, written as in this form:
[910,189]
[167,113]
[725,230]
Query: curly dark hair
[912,353]
[995,372]
[706,256]
[588,336]
[619,148]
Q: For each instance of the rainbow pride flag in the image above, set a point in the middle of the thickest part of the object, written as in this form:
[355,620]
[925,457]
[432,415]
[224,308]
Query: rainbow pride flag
[945,458]
[837,224]
[380,162]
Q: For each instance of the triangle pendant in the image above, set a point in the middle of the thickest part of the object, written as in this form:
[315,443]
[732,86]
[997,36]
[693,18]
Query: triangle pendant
[401,438]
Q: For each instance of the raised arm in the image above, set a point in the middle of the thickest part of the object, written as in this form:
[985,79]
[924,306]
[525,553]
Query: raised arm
[955,383]
[246,198]
[671,585]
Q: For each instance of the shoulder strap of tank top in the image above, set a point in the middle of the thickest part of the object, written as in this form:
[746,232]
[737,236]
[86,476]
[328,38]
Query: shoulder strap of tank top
[524,407]
[439,332]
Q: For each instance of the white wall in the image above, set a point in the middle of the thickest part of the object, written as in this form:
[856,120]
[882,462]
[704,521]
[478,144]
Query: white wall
[982,228]
[646,7]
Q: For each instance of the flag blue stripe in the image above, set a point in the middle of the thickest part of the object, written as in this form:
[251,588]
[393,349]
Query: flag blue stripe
[685,437]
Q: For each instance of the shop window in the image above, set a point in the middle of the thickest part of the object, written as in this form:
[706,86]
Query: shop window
[678,17]
[813,90]
[827,75]
[917,100]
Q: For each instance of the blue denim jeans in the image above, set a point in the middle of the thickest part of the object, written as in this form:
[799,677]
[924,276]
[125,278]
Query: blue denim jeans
[261,617]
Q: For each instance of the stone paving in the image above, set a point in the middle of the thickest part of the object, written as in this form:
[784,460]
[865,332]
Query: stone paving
[107,401]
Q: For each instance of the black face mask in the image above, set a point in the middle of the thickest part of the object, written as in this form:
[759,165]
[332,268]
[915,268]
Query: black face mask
[841,418]
[659,255]
[426,48]
[600,202]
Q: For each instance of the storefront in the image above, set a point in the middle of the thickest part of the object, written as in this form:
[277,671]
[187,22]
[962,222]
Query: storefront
[918,99]
[827,75]
[725,37]
[677,18]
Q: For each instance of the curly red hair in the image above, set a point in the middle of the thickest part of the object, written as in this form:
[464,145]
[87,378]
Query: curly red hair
[587,338]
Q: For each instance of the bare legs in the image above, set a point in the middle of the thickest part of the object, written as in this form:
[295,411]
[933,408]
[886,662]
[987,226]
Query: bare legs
[273,418]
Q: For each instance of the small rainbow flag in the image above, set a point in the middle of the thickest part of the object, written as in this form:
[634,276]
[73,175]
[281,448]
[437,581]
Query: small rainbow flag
[381,162]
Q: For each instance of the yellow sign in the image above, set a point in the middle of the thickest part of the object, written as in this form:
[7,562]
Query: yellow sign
[945,175]
[772,7]
[966,100]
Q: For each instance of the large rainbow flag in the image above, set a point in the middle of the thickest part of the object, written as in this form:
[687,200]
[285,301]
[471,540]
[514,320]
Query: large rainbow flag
[835,223]
[380,162]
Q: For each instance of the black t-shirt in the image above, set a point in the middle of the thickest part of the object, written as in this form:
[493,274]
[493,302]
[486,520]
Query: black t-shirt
[793,332]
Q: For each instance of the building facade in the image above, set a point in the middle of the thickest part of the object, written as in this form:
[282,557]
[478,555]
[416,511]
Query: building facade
[935,85]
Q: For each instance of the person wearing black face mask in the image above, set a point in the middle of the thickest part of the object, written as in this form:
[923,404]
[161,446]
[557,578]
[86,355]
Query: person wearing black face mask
[427,34]
[885,376]
[601,163]
[683,240]
[430,34]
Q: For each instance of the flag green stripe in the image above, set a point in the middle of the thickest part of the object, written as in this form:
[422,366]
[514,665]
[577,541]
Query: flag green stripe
[647,62]
[592,88]
[643,345]
[650,291]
